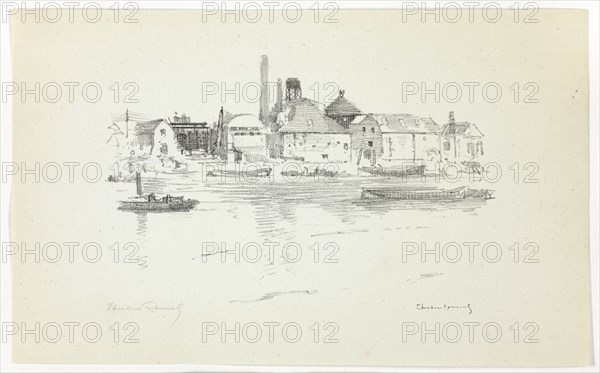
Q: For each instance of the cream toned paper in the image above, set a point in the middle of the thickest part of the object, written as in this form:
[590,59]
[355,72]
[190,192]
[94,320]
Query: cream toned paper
[358,301]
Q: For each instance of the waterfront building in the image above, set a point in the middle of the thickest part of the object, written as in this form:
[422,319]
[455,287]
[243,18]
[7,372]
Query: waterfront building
[461,141]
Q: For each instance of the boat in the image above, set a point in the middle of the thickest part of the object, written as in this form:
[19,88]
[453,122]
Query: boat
[151,203]
[459,193]
[310,172]
[167,203]
[250,173]
[395,172]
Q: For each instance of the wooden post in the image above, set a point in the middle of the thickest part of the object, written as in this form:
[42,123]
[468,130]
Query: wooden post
[138,183]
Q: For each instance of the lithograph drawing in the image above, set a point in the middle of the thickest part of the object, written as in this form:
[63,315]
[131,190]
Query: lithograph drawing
[301,186]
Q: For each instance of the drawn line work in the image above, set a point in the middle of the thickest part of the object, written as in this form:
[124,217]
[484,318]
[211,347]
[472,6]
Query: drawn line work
[296,153]
[275,294]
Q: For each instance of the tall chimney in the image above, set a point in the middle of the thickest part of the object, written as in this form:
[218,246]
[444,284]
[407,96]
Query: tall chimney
[279,104]
[263,114]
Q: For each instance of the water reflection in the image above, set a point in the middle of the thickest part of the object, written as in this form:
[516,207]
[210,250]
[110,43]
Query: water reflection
[279,208]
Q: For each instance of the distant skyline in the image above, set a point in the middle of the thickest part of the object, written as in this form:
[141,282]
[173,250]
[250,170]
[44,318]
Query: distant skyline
[170,54]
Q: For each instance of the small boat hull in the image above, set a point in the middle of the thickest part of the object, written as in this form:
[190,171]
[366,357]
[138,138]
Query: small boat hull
[261,172]
[426,195]
[394,172]
[159,206]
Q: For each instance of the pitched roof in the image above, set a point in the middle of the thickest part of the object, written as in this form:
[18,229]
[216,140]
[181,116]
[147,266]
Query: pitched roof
[341,106]
[305,117]
[461,128]
[402,123]
[147,127]
[359,118]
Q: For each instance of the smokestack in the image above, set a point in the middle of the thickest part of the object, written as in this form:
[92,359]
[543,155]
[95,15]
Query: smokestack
[279,105]
[263,114]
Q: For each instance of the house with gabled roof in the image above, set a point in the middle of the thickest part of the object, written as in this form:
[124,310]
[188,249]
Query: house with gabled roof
[461,141]
[367,147]
[154,137]
[309,135]
[403,138]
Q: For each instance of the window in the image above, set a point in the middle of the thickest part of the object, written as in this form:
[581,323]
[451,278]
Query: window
[325,156]
[345,146]
[163,132]
[364,129]
[471,148]
[480,148]
[446,145]
[370,144]
[372,129]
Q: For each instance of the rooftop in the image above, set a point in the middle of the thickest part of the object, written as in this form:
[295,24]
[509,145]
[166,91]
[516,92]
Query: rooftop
[341,106]
[305,117]
[461,128]
[402,123]
[147,127]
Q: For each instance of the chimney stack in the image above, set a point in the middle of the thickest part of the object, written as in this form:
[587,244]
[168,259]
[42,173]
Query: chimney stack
[263,114]
[279,103]
[451,123]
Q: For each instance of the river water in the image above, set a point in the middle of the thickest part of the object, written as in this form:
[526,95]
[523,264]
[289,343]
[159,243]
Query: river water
[276,207]
[330,227]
